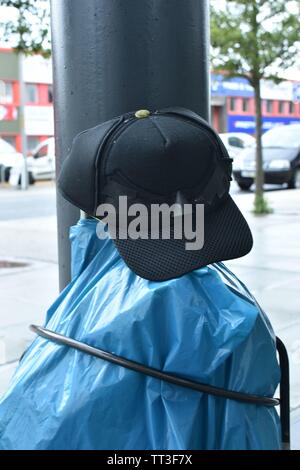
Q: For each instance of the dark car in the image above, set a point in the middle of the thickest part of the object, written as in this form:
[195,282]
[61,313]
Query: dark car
[281,158]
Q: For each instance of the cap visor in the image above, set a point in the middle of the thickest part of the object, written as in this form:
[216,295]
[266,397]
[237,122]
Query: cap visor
[226,236]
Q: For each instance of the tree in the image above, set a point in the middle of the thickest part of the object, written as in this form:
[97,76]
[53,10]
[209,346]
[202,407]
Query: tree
[28,30]
[255,39]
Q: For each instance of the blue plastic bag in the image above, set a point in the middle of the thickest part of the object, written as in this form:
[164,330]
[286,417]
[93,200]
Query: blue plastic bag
[202,326]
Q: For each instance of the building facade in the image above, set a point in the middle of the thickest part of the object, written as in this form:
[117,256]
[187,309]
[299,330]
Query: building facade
[37,75]
[232,102]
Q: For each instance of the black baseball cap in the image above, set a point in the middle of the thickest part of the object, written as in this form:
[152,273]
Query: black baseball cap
[155,158]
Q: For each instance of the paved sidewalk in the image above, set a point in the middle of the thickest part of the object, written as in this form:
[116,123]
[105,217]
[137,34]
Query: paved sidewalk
[272,273]
[272,270]
[25,292]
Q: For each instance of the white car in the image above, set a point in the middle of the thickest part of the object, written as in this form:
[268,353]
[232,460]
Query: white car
[9,158]
[235,142]
[41,165]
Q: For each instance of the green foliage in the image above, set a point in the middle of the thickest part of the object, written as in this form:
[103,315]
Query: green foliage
[29,29]
[254,38]
[261,206]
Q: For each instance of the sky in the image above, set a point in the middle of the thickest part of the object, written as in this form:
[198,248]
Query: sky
[292,73]
[10,14]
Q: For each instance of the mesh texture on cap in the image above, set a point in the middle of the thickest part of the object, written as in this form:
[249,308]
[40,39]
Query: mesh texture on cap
[226,236]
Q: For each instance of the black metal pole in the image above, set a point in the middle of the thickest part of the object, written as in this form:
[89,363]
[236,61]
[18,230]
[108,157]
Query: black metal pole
[114,56]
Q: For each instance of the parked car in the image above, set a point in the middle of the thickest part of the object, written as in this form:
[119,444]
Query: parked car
[281,158]
[41,165]
[235,142]
[9,157]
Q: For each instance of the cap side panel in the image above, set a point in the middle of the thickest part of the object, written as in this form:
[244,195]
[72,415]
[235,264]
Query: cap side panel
[76,181]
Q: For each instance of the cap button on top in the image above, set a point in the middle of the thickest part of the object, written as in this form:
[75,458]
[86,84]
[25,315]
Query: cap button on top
[142,113]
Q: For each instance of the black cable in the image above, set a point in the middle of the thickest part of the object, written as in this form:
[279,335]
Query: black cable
[284,393]
[157,374]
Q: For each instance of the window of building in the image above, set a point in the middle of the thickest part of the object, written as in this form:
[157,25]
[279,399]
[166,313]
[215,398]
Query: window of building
[50,94]
[32,143]
[291,107]
[269,106]
[245,104]
[32,95]
[281,107]
[6,92]
[232,104]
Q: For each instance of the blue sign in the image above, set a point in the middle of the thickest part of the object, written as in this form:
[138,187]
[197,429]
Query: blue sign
[247,123]
[222,86]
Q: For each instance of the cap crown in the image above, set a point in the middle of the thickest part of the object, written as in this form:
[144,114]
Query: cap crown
[161,154]
[154,157]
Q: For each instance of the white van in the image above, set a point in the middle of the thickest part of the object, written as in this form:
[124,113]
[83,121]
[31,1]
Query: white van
[9,158]
[41,165]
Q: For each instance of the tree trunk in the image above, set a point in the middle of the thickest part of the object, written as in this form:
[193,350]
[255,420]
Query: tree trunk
[259,174]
